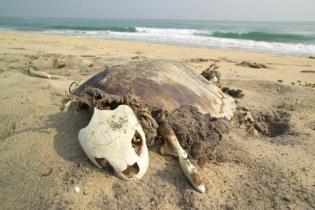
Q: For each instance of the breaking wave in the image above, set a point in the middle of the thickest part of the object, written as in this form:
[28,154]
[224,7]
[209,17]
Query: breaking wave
[263,36]
[93,28]
[254,41]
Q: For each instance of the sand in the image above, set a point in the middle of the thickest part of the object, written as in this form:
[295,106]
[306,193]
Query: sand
[41,160]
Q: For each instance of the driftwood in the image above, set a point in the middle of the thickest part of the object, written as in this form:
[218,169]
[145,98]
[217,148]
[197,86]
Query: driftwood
[42,74]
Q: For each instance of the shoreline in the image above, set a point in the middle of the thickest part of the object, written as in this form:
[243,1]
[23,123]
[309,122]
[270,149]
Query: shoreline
[193,46]
[157,44]
[250,50]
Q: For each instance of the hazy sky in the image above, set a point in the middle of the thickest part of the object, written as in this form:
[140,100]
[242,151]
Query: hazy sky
[294,10]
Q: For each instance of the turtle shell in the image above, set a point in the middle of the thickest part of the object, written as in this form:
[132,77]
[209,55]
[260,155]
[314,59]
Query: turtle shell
[162,83]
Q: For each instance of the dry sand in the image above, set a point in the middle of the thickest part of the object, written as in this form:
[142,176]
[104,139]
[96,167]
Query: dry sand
[248,171]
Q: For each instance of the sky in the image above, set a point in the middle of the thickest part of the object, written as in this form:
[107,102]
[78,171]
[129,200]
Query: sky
[255,10]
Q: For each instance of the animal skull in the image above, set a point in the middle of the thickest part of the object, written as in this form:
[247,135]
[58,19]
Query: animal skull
[116,137]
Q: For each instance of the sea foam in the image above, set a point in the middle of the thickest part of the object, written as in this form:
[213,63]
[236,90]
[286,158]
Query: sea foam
[191,37]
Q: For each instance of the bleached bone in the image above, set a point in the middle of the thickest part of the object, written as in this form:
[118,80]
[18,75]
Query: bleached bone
[116,136]
[42,74]
[67,105]
[173,147]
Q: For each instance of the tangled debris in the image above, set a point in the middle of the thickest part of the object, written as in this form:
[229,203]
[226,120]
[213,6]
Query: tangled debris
[252,65]
[212,75]
[234,93]
[201,60]
[307,71]
[306,84]
[198,133]
[244,118]
[94,97]
[271,123]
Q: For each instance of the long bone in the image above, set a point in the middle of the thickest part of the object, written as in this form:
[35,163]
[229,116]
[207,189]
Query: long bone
[173,147]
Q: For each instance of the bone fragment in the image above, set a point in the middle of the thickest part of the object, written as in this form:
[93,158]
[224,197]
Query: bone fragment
[42,74]
[67,105]
[188,168]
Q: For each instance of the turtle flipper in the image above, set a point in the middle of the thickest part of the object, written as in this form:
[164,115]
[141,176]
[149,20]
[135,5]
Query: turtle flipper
[173,147]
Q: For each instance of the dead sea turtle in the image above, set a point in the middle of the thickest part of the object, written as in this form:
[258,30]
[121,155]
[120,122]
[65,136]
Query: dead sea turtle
[136,104]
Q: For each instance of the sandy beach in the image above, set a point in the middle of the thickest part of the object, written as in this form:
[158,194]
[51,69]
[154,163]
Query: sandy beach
[42,162]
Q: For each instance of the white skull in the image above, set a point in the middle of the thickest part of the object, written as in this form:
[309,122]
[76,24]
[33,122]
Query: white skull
[116,136]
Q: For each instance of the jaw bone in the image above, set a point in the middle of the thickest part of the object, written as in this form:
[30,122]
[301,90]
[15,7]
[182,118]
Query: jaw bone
[116,137]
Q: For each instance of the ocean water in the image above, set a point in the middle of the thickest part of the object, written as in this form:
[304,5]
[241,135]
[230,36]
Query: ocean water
[278,37]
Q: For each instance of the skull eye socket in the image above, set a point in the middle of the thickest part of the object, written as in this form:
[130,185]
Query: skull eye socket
[137,143]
